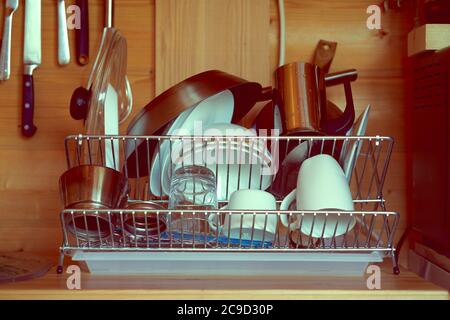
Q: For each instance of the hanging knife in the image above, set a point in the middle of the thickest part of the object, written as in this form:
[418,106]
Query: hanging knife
[109,7]
[82,33]
[5,54]
[63,40]
[31,60]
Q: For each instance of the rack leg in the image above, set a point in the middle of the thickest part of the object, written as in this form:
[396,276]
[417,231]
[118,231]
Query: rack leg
[395,266]
[59,268]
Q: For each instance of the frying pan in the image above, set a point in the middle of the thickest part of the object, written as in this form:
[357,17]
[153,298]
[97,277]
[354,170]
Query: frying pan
[154,117]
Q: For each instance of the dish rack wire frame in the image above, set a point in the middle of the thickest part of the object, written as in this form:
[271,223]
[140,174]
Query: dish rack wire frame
[372,152]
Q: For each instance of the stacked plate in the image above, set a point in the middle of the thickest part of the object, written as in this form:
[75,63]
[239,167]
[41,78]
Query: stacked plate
[237,163]
[218,108]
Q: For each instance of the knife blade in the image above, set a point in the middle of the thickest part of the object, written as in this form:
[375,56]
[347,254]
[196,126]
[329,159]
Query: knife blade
[32,59]
[5,54]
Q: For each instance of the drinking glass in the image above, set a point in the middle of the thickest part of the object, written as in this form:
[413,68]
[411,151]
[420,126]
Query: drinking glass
[192,188]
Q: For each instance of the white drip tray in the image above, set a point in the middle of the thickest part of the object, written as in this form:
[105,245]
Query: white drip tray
[227,263]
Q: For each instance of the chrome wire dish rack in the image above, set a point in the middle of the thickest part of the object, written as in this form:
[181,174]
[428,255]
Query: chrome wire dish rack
[369,230]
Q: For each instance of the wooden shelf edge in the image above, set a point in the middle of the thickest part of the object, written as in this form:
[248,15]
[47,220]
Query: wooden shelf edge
[100,287]
[222,295]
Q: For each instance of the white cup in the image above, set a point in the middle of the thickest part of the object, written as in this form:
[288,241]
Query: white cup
[321,185]
[247,199]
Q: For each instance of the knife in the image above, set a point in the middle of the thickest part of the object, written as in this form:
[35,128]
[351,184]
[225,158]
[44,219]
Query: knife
[82,34]
[109,7]
[63,40]
[5,54]
[31,60]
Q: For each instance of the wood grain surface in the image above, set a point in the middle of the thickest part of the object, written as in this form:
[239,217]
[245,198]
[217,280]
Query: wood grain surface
[53,286]
[193,36]
[380,59]
[30,168]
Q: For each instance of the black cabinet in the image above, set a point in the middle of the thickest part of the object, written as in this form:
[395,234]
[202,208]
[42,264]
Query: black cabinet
[429,93]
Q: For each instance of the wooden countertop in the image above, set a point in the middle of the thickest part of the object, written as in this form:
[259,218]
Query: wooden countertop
[53,286]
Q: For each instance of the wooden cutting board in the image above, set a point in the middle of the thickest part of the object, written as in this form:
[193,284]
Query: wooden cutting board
[21,266]
[196,35]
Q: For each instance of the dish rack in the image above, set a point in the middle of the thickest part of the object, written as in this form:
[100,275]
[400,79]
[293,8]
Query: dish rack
[206,253]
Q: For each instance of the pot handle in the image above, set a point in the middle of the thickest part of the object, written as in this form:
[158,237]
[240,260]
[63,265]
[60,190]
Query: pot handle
[341,125]
[333,79]
[266,94]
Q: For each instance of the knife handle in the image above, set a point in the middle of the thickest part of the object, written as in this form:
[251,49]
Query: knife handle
[82,34]
[28,127]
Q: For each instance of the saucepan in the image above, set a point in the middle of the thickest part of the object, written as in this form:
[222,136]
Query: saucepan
[145,221]
[92,187]
[300,108]
[157,117]
[300,95]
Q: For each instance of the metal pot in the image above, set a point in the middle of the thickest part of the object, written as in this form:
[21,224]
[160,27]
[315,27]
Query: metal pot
[300,95]
[145,221]
[89,187]
[89,226]
[94,185]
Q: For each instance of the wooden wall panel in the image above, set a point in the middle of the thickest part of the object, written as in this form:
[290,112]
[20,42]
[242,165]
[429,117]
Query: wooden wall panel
[198,35]
[29,169]
[380,61]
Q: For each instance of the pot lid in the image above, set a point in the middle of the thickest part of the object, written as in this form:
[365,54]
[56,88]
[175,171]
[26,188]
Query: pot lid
[108,82]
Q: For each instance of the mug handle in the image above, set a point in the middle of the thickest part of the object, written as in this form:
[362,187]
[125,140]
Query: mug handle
[213,219]
[285,206]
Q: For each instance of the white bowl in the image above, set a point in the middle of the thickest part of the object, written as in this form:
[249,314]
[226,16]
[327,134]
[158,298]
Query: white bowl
[238,164]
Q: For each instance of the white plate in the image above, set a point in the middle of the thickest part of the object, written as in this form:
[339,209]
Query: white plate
[223,132]
[348,158]
[155,172]
[218,108]
[229,136]
[298,154]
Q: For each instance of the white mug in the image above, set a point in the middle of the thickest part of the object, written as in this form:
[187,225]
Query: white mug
[247,199]
[321,185]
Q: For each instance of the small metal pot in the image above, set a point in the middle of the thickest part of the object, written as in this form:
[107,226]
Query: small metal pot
[89,226]
[90,187]
[300,95]
[95,185]
[145,221]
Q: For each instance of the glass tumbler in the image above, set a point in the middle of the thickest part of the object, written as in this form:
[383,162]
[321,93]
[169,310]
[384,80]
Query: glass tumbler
[191,188]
